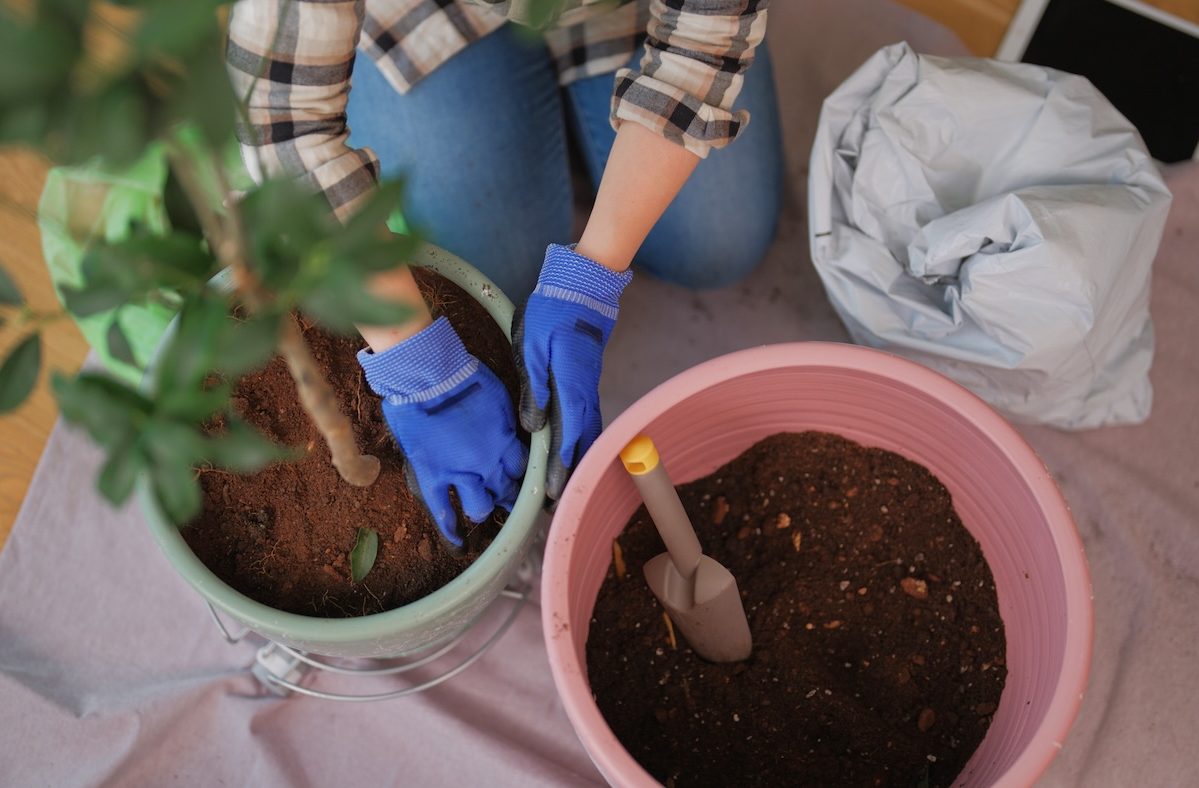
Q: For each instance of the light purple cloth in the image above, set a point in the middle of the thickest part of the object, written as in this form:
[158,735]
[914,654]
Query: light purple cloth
[112,673]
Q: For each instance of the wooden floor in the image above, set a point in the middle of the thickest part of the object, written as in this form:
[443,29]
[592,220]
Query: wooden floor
[23,434]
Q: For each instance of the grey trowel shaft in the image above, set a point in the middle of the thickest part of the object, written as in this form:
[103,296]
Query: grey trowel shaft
[670,518]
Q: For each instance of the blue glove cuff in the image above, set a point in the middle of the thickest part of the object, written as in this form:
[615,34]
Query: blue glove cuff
[569,276]
[424,366]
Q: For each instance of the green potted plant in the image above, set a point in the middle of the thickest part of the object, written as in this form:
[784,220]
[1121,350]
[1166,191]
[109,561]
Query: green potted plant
[290,275]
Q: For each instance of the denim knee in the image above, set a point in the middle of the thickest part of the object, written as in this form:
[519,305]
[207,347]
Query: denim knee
[704,255]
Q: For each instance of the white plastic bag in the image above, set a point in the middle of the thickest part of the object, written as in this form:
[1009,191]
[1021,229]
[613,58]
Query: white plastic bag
[996,222]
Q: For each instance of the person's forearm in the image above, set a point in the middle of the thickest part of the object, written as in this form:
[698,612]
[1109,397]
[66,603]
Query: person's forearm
[400,286]
[645,171]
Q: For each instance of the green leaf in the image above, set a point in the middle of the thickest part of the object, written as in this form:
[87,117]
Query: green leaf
[285,223]
[178,28]
[118,344]
[28,124]
[18,374]
[148,261]
[179,209]
[9,293]
[174,442]
[35,59]
[176,490]
[341,308]
[94,299]
[108,409]
[243,449]
[120,471]
[133,270]
[248,344]
[113,124]
[205,96]
[193,404]
[381,254]
[362,557]
[192,353]
[369,222]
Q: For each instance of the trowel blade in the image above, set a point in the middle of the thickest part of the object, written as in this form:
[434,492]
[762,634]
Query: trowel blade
[715,625]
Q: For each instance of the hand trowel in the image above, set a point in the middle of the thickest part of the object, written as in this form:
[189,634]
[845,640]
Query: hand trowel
[699,594]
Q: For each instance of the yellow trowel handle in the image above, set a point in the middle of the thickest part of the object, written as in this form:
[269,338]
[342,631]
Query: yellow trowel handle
[641,460]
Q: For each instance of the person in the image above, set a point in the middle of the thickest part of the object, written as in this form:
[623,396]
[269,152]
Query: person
[478,115]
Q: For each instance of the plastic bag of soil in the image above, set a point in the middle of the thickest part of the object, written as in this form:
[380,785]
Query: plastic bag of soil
[996,222]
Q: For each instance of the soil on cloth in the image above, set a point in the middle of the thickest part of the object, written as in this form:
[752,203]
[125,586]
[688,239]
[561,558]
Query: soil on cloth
[283,536]
[878,648]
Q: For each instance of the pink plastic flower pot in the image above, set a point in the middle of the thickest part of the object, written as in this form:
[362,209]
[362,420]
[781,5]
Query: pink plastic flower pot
[708,415]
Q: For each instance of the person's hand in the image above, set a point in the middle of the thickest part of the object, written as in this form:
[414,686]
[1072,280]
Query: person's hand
[559,340]
[454,422]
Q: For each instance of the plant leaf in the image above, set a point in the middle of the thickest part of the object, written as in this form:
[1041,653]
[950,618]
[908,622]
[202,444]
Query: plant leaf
[370,221]
[9,293]
[120,472]
[248,344]
[178,28]
[206,98]
[193,404]
[18,374]
[137,268]
[362,557]
[176,443]
[180,212]
[341,309]
[243,449]
[285,223]
[191,356]
[118,344]
[85,302]
[146,261]
[113,124]
[108,409]
[177,490]
[35,59]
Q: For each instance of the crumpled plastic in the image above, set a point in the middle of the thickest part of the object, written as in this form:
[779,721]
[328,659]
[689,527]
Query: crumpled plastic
[92,202]
[97,202]
[996,222]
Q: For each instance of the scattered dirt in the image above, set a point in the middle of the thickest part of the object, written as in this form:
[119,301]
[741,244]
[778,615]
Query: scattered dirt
[283,535]
[878,648]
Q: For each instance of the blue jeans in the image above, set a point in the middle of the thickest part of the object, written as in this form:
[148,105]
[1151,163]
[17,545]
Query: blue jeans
[482,144]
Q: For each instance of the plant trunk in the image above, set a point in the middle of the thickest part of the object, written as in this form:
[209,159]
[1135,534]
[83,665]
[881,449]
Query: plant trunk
[227,238]
[316,395]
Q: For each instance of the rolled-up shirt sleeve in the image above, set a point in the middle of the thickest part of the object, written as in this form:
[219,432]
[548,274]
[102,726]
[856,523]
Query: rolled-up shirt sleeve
[696,55]
[293,61]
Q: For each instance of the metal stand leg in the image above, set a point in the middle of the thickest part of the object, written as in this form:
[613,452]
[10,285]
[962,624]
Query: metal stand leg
[282,670]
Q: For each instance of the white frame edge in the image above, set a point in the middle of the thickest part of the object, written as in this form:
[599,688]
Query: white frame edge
[1028,17]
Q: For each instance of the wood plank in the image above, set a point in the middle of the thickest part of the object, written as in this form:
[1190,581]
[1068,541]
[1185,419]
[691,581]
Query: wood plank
[1183,9]
[979,23]
[23,433]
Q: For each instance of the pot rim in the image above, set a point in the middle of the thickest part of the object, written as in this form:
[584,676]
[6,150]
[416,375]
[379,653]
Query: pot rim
[569,671]
[442,601]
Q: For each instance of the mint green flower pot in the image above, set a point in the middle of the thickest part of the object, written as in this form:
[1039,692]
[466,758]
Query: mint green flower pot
[426,622]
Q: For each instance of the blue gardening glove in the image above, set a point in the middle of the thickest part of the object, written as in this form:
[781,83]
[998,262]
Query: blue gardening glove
[559,340]
[454,422]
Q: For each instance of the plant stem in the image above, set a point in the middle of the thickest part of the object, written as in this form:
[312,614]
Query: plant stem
[316,395]
[228,240]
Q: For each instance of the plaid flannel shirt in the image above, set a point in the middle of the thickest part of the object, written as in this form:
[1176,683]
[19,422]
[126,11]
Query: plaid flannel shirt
[293,58]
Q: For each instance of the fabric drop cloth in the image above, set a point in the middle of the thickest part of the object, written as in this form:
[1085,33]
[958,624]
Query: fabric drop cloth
[111,672]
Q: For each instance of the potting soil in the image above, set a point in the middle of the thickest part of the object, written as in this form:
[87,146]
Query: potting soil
[283,535]
[878,648]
